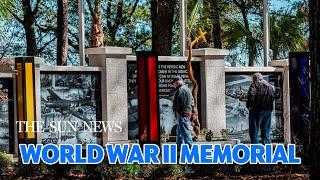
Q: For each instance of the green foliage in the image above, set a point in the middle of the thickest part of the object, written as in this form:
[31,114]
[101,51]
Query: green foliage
[33,170]
[288,31]
[111,171]
[108,171]
[78,169]
[173,170]
[149,171]
[5,5]
[132,26]
[132,169]
[209,135]
[224,133]
[193,20]
[164,138]
[5,160]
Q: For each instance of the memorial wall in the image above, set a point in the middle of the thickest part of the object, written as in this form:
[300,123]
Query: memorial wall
[237,86]
[167,71]
[71,100]
[6,115]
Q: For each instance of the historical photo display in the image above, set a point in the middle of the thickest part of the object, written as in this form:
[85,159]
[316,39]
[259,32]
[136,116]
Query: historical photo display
[70,99]
[6,115]
[237,86]
[167,71]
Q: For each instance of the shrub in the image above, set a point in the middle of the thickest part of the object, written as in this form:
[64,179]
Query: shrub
[33,170]
[209,135]
[78,169]
[149,171]
[132,169]
[224,134]
[164,138]
[174,170]
[110,171]
[5,160]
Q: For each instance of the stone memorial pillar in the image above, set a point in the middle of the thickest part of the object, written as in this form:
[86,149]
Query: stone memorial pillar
[284,65]
[213,107]
[114,95]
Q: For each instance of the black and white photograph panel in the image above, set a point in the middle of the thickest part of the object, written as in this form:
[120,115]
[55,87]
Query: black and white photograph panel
[6,114]
[167,71]
[69,102]
[237,114]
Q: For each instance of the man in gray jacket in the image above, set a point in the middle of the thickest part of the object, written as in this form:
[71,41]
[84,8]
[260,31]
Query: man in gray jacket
[182,106]
[260,100]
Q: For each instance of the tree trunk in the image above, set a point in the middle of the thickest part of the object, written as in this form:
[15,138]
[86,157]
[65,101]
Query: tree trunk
[314,26]
[108,16]
[216,28]
[97,36]
[249,43]
[62,33]
[154,19]
[162,13]
[113,29]
[29,26]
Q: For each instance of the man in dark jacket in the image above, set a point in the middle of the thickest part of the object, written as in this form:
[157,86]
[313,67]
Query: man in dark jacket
[260,99]
[182,106]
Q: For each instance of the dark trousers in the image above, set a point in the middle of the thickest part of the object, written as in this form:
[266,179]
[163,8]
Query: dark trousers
[260,119]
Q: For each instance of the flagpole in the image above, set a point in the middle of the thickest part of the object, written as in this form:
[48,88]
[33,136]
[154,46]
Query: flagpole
[266,32]
[81,33]
[182,14]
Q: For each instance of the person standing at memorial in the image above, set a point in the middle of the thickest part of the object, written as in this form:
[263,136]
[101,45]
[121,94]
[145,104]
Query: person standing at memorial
[260,100]
[182,107]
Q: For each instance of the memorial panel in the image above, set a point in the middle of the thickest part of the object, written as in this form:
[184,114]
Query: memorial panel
[72,102]
[299,96]
[166,74]
[237,86]
[6,115]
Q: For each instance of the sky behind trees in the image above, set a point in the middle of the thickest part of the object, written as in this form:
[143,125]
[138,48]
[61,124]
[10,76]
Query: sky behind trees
[130,26]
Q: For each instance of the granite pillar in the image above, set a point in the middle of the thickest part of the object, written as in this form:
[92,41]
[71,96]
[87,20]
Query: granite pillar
[212,88]
[113,63]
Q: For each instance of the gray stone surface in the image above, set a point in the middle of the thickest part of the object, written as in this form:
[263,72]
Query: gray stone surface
[279,63]
[213,89]
[113,63]
[109,50]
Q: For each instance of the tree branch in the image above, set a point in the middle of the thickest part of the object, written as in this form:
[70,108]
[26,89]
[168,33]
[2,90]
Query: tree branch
[43,28]
[141,42]
[237,3]
[134,8]
[74,35]
[45,45]
[74,46]
[16,16]
[37,7]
